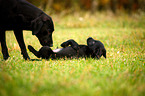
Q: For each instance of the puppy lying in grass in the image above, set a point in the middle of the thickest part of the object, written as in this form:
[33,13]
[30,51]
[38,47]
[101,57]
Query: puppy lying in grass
[93,49]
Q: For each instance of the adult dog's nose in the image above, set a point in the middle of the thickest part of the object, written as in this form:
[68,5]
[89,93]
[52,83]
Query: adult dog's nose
[51,45]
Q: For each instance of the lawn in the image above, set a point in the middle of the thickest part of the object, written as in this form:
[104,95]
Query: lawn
[121,74]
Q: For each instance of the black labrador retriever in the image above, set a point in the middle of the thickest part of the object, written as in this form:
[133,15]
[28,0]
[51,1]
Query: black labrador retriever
[19,15]
[93,49]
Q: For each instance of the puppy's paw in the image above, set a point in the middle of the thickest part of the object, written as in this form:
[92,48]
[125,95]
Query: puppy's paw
[30,48]
[64,44]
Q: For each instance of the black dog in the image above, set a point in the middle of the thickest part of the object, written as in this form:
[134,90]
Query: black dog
[93,49]
[19,15]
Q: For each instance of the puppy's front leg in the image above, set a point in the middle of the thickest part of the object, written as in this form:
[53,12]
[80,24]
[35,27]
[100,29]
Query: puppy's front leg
[71,42]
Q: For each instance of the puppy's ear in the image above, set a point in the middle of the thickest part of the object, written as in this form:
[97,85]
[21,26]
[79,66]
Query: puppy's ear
[36,25]
[104,53]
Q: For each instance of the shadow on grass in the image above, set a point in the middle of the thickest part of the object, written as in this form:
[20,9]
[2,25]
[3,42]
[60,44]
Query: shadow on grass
[35,59]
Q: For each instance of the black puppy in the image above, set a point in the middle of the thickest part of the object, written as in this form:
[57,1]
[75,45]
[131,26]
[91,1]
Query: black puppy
[19,15]
[93,49]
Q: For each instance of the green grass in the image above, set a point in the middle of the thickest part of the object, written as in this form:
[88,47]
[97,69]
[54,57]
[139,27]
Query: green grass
[121,74]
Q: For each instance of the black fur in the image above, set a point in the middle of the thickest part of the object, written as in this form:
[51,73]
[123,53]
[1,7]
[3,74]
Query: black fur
[19,15]
[93,49]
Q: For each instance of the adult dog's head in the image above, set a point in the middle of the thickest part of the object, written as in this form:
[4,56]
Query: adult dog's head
[43,27]
[96,47]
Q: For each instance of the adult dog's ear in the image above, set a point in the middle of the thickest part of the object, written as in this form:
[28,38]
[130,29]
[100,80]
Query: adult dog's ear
[36,25]
[20,18]
[45,18]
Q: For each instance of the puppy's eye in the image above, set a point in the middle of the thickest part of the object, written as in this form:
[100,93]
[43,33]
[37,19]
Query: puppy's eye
[91,43]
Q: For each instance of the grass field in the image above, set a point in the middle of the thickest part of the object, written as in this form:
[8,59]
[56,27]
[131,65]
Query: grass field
[121,74]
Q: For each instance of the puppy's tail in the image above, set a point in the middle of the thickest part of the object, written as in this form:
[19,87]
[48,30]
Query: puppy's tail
[31,49]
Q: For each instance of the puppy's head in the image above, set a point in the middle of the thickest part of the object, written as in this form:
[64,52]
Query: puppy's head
[43,27]
[97,48]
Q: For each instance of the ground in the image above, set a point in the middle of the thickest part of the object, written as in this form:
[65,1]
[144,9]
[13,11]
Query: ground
[121,74]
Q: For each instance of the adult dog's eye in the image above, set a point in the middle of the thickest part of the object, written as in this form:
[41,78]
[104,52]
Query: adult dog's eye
[49,30]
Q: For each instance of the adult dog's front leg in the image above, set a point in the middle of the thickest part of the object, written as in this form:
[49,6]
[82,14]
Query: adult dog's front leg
[3,44]
[19,37]
[72,43]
